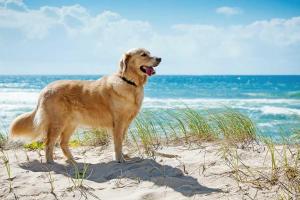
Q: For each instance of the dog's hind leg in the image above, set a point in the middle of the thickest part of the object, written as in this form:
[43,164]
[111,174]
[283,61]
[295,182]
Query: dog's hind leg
[64,142]
[52,135]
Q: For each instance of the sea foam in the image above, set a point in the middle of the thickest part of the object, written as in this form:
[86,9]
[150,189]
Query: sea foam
[272,110]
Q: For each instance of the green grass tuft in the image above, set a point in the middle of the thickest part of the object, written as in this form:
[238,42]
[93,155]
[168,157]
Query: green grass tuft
[187,126]
[235,127]
[145,131]
[3,140]
[183,126]
[36,145]
[95,137]
[199,127]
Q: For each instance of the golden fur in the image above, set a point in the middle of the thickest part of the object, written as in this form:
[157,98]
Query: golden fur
[110,102]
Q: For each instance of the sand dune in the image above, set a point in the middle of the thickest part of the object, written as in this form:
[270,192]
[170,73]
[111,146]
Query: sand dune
[173,173]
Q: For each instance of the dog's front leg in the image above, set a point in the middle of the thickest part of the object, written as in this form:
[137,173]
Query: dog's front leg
[118,138]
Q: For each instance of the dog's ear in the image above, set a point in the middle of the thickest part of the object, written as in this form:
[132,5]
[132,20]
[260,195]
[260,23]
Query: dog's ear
[124,62]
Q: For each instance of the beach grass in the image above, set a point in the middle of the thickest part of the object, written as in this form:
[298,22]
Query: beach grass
[89,137]
[296,135]
[188,126]
[94,137]
[50,180]
[3,139]
[35,145]
[6,162]
[281,168]
[199,126]
[235,127]
[174,126]
[146,131]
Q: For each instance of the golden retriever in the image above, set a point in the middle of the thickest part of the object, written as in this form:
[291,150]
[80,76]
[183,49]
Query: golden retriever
[111,102]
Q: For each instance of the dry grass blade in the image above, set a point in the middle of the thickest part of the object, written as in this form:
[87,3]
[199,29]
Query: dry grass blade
[283,173]
[6,163]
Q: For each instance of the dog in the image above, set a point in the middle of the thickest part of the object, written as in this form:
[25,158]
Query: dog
[111,102]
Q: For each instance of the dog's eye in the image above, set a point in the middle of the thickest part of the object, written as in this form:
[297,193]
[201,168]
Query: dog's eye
[143,54]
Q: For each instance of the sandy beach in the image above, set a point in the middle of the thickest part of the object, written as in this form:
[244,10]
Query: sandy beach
[174,172]
[200,98]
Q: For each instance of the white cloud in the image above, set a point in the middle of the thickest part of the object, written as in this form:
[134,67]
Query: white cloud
[71,40]
[226,10]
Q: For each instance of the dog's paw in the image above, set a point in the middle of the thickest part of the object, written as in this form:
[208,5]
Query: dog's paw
[71,161]
[126,156]
[121,160]
[50,162]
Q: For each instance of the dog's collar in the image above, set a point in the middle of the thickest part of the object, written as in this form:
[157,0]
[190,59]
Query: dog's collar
[128,81]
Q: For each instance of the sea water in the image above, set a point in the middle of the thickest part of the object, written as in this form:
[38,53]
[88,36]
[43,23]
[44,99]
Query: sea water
[272,102]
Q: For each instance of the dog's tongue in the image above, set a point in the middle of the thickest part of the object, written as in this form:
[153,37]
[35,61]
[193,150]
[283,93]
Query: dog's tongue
[150,71]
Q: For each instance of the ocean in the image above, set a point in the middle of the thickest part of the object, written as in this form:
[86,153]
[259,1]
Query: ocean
[272,102]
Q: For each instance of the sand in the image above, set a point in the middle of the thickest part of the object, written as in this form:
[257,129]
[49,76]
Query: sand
[175,172]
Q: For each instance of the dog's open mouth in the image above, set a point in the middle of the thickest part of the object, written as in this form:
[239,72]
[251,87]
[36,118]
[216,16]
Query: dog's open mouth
[148,70]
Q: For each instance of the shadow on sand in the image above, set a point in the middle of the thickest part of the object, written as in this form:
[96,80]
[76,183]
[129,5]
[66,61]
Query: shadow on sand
[143,169]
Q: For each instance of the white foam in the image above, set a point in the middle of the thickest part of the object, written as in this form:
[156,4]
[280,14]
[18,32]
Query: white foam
[196,100]
[257,94]
[13,103]
[272,110]
[268,125]
[251,104]
[18,97]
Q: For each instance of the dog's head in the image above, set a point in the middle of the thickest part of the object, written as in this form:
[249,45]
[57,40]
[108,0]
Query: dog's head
[139,62]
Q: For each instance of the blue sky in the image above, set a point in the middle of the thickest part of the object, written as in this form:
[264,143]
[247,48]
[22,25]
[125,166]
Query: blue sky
[192,37]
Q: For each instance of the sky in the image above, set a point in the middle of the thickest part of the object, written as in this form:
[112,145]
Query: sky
[194,37]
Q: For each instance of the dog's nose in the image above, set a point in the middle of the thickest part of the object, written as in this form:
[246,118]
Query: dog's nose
[158,59]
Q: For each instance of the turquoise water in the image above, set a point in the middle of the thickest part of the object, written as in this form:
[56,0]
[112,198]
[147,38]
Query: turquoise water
[273,102]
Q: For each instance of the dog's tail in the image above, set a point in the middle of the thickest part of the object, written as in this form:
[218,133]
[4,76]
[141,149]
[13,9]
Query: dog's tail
[24,126]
